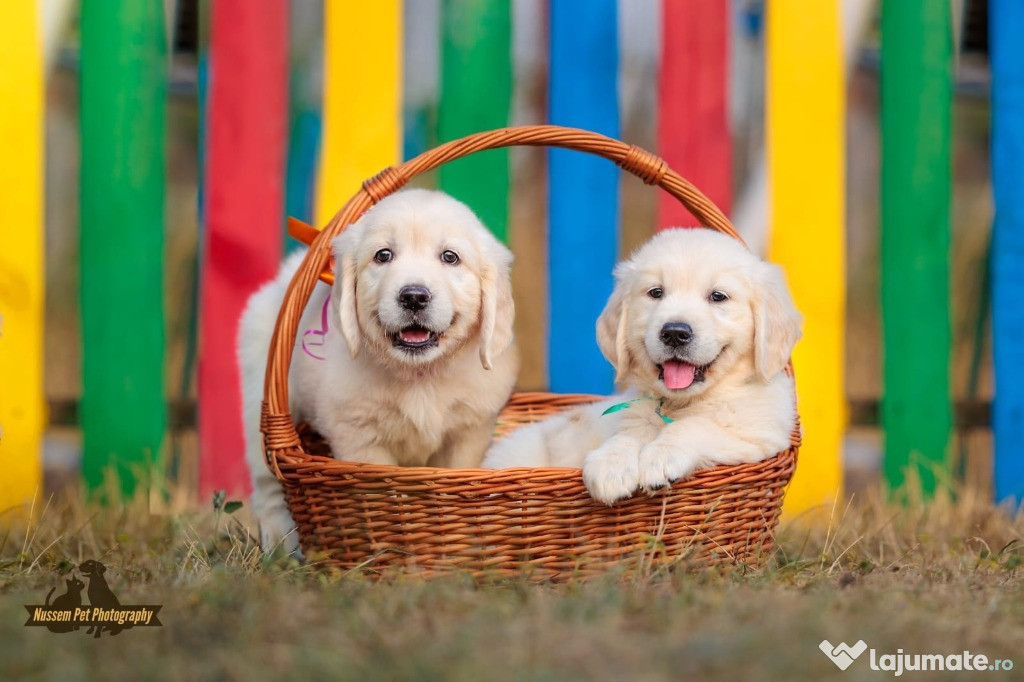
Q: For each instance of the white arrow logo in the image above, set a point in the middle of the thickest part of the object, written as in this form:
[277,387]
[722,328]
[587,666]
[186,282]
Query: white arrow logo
[841,654]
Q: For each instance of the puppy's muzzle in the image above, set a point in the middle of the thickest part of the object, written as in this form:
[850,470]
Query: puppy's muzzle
[414,297]
[676,334]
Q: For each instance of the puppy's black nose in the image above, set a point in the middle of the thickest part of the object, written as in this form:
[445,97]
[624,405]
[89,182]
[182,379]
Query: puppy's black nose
[676,334]
[414,297]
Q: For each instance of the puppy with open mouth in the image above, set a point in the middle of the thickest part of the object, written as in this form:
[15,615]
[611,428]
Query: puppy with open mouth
[700,331]
[406,360]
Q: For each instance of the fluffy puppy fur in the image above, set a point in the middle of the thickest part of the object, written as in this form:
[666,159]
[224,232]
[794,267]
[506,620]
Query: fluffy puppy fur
[417,358]
[699,330]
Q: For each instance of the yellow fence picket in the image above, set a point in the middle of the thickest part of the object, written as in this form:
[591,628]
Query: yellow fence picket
[806,167]
[21,252]
[362,115]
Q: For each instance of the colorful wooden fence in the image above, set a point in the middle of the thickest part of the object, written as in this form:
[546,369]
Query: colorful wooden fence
[583,191]
[123,411]
[362,111]
[693,111]
[304,124]
[917,96]
[806,169]
[476,57]
[1006,22]
[21,253]
[246,136]
[247,157]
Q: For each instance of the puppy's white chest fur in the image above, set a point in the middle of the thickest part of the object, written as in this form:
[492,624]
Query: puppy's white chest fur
[412,422]
[423,407]
[383,415]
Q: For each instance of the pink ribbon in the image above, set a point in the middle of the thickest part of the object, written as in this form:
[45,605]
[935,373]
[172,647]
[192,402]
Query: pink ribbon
[319,335]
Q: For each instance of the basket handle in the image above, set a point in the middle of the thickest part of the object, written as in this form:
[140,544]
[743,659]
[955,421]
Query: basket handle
[280,437]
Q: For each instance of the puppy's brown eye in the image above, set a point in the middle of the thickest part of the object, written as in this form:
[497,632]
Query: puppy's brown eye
[655,292]
[383,256]
[718,296]
[449,257]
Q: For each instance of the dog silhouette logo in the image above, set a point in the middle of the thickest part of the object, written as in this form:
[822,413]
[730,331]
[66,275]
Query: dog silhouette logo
[842,654]
[104,612]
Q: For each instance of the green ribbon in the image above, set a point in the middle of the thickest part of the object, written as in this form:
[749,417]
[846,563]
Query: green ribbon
[657,410]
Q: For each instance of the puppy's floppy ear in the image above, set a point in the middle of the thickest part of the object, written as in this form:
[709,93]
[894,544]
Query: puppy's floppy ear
[776,321]
[612,324]
[344,292]
[497,308]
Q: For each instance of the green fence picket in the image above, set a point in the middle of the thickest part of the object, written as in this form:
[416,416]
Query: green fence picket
[916,185]
[476,95]
[123,96]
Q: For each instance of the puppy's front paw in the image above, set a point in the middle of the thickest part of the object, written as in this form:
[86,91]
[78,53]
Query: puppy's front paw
[278,532]
[661,464]
[610,474]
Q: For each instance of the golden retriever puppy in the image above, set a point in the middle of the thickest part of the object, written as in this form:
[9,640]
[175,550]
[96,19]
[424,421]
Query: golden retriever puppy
[407,360]
[699,331]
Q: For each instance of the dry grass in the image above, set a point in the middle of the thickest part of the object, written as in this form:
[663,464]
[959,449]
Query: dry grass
[940,577]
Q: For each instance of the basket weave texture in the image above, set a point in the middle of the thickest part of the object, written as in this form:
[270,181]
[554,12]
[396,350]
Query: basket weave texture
[511,521]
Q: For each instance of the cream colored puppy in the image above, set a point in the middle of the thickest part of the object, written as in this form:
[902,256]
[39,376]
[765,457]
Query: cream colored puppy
[407,360]
[699,331]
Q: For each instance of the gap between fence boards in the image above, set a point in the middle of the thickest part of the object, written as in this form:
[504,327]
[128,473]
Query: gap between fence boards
[181,414]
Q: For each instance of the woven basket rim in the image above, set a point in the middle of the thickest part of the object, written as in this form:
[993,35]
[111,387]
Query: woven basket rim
[705,478]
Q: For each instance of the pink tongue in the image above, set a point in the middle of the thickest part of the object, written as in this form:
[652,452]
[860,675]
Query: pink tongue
[678,374]
[414,335]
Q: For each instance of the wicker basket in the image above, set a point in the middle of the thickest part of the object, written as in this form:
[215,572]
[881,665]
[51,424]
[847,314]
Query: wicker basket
[512,521]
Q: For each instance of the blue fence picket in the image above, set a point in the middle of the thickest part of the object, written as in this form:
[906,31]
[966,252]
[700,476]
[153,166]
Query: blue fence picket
[583,201]
[1006,26]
